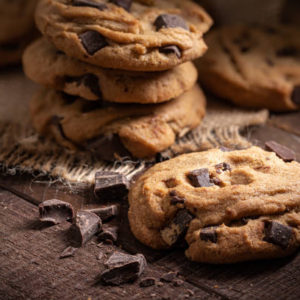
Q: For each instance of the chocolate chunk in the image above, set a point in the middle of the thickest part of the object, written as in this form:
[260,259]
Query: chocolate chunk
[55,211]
[109,233]
[170,21]
[89,3]
[126,4]
[200,178]
[106,212]
[288,51]
[281,151]
[168,277]
[209,234]
[123,268]
[171,49]
[68,252]
[89,80]
[175,199]
[176,229]
[85,226]
[222,167]
[92,41]
[278,234]
[108,148]
[296,95]
[110,186]
[148,281]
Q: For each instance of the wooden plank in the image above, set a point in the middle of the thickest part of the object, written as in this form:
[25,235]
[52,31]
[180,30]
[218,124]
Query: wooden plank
[288,122]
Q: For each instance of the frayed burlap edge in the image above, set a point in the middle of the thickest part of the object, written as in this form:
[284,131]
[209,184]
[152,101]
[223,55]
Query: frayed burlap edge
[23,151]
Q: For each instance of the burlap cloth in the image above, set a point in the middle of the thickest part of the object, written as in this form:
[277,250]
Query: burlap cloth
[23,151]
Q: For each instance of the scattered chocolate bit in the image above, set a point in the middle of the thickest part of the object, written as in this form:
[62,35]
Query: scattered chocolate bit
[106,212]
[123,268]
[160,158]
[110,186]
[55,211]
[175,199]
[209,234]
[68,252]
[222,167]
[85,226]
[89,80]
[89,3]
[178,282]
[170,21]
[168,277]
[92,41]
[296,95]
[109,233]
[171,49]
[278,234]
[108,147]
[288,51]
[148,281]
[126,4]
[200,178]
[176,229]
[281,151]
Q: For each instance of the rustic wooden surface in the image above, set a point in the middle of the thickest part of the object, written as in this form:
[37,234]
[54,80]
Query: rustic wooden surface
[30,267]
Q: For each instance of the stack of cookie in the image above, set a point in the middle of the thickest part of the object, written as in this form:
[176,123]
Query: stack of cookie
[118,74]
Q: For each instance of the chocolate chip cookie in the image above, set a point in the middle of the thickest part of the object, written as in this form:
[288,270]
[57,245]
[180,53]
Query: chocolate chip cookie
[142,130]
[229,206]
[257,67]
[128,35]
[52,68]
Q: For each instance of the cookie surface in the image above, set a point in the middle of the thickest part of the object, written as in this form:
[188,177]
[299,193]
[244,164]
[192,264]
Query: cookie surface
[143,130]
[229,206]
[49,67]
[139,36]
[254,67]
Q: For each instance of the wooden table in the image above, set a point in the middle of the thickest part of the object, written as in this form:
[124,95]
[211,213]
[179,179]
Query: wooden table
[30,267]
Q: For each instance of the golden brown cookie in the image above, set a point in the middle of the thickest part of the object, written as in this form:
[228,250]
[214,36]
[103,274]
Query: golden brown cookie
[254,67]
[52,68]
[229,206]
[129,35]
[143,130]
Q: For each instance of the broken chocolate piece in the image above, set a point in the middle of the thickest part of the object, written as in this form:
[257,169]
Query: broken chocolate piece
[123,268]
[278,234]
[176,229]
[168,277]
[281,151]
[108,148]
[109,233]
[209,234]
[175,199]
[89,80]
[55,211]
[68,252]
[200,178]
[126,4]
[222,167]
[85,226]
[170,21]
[92,41]
[89,3]
[106,212]
[171,49]
[288,51]
[110,186]
[148,281]
[296,95]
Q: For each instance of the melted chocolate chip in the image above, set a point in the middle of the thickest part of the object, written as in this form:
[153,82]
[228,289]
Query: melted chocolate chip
[171,49]
[296,95]
[170,21]
[89,3]
[281,151]
[209,234]
[126,4]
[92,41]
[287,51]
[278,234]
[175,199]
[200,178]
